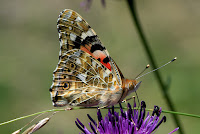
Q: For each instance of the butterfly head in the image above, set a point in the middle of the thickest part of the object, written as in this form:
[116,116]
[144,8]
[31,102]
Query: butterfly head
[132,85]
[129,86]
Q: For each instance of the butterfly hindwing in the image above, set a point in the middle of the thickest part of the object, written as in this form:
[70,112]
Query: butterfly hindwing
[86,75]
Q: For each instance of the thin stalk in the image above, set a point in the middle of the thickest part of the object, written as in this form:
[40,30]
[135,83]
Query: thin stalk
[132,7]
[23,117]
[76,108]
[179,113]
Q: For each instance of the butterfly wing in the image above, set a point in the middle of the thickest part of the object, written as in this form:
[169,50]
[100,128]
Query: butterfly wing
[85,75]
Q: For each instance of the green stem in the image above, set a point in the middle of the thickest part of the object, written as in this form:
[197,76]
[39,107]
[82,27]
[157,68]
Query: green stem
[23,117]
[178,113]
[132,7]
[76,108]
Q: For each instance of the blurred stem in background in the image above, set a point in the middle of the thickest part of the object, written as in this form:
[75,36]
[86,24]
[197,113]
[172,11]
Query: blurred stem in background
[132,7]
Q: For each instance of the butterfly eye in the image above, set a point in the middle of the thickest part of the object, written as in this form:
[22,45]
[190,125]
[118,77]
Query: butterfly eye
[131,84]
[66,86]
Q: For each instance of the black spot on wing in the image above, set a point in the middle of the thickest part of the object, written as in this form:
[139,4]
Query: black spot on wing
[97,47]
[60,28]
[78,42]
[58,22]
[98,59]
[55,99]
[103,66]
[106,60]
[50,89]
[90,39]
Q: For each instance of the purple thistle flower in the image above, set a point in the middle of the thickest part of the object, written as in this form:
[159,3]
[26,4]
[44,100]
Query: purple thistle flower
[131,121]
[87,4]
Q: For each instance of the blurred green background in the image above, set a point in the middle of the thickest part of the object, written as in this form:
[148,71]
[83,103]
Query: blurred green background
[29,54]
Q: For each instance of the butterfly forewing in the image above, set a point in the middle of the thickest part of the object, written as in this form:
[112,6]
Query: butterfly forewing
[85,74]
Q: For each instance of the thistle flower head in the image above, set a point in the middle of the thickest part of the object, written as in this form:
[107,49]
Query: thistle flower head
[87,4]
[132,121]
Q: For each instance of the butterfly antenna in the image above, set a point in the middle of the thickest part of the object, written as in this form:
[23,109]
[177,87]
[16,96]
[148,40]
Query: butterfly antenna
[147,66]
[156,68]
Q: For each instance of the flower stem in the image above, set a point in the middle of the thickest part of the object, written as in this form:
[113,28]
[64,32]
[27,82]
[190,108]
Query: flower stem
[23,117]
[179,113]
[132,7]
[76,108]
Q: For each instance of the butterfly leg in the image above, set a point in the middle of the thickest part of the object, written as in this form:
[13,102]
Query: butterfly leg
[103,107]
[125,100]
[68,108]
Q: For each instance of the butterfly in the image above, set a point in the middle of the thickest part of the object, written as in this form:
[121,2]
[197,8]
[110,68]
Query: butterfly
[85,75]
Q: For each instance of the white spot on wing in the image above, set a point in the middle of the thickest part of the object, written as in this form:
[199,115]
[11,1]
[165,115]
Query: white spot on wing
[106,73]
[68,15]
[72,36]
[60,44]
[81,77]
[64,19]
[83,35]
[94,64]
[78,61]
[77,53]
[89,32]
[78,19]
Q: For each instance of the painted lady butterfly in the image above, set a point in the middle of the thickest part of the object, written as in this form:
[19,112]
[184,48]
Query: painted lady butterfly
[85,75]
